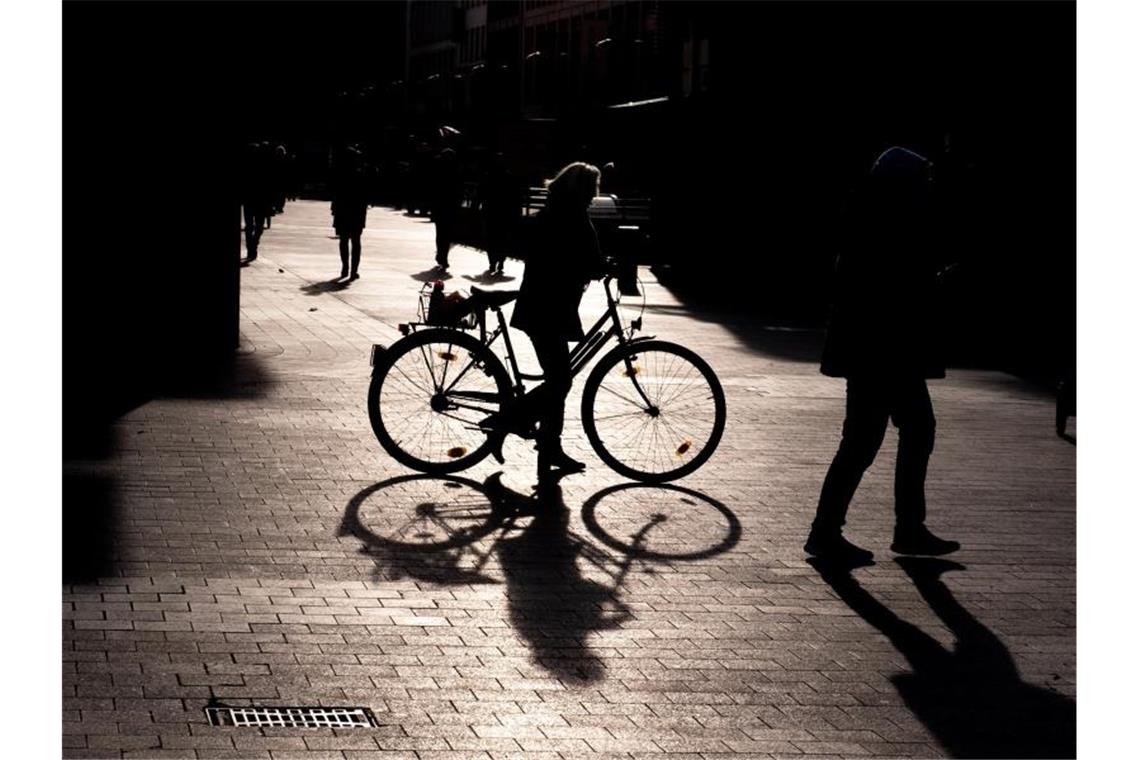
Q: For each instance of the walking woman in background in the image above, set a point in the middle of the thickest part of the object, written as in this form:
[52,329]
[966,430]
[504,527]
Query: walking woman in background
[350,210]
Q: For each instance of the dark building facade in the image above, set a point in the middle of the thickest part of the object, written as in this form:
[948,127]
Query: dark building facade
[749,123]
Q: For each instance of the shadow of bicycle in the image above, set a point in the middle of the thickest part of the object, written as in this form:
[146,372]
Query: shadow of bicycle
[561,587]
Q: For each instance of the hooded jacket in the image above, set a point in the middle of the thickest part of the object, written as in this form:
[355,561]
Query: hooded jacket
[884,319]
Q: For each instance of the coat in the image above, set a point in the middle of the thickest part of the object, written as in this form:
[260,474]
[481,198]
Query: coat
[562,257]
[885,314]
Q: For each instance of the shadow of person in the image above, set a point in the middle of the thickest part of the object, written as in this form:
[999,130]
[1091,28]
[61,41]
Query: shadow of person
[489,278]
[328,286]
[551,605]
[431,275]
[971,697]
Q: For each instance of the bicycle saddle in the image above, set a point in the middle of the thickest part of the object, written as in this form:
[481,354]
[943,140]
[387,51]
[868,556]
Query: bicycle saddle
[486,298]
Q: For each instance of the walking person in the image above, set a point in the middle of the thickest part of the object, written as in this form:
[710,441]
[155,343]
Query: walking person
[350,210]
[560,262]
[883,338]
[447,197]
[254,197]
[501,205]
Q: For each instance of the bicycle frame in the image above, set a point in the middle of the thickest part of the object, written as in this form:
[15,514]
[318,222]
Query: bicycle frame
[608,327]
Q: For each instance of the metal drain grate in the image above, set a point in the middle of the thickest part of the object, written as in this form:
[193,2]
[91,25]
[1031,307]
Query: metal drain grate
[291,717]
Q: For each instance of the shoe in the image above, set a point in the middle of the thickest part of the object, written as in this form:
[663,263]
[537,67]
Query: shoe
[564,462]
[834,547]
[441,263]
[919,540]
[343,273]
[354,276]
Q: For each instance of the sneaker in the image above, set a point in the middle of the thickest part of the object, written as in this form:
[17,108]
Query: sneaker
[835,547]
[920,540]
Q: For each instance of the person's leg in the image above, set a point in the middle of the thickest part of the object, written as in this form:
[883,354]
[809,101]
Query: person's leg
[250,238]
[343,243]
[913,415]
[863,431]
[442,240]
[355,255]
[553,353]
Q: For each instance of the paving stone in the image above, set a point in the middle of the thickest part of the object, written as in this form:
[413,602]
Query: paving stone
[257,557]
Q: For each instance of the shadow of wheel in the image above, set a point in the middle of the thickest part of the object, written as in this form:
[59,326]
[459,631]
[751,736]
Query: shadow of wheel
[422,512]
[661,522]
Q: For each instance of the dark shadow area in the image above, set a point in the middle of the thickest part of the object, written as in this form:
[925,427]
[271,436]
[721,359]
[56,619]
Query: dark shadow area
[660,522]
[90,509]
[772,335]
[489,278]
[327,286]
[431,275]
[551,604]
[90,514]
[971,696]
[445,529]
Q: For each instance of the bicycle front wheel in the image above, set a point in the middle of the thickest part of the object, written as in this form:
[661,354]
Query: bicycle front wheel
[653,411]
[427,396]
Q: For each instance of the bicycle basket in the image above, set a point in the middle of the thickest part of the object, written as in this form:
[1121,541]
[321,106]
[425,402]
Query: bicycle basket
[441,309]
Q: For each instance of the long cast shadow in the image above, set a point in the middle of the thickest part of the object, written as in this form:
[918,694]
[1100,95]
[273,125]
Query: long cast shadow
[551,604]
[447,529]
[972,696]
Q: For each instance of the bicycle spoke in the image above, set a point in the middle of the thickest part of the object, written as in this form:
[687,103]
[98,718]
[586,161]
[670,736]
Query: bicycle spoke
[623,397]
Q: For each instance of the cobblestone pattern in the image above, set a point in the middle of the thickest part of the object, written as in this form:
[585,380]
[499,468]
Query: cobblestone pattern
[267,551]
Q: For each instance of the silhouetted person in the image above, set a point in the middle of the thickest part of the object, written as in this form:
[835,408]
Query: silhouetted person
[501,205]
[447,196]
[882,337]
[1066,402]
[280,178]
[971,695]
[255,196]
[561,260]
[350,210]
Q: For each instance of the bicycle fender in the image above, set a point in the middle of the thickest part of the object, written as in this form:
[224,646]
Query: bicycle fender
[378,352]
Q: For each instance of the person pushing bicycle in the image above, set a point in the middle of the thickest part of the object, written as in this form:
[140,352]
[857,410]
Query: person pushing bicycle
[563,257]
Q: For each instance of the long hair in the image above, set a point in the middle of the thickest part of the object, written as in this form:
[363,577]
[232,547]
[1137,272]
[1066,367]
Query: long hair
[573,188]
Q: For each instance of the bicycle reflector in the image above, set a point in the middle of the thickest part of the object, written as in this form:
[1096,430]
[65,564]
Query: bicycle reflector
[378,352]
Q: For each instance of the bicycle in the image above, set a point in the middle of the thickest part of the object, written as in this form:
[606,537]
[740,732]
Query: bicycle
[441,400]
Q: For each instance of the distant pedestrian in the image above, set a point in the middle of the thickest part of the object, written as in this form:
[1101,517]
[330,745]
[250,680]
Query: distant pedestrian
[883,338]
[350,210]
[501,206]
[254,197]
[446,198]
[280,178]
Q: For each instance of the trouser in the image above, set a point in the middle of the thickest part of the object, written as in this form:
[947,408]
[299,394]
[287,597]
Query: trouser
[871,402]
[344,252]
[549,399]
[254,224]
[445,225]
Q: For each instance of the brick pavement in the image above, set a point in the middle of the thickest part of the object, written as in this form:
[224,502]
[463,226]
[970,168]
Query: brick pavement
[265,551]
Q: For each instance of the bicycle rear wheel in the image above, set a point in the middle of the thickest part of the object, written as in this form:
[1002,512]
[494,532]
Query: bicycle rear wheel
[653,411]
[427,396]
